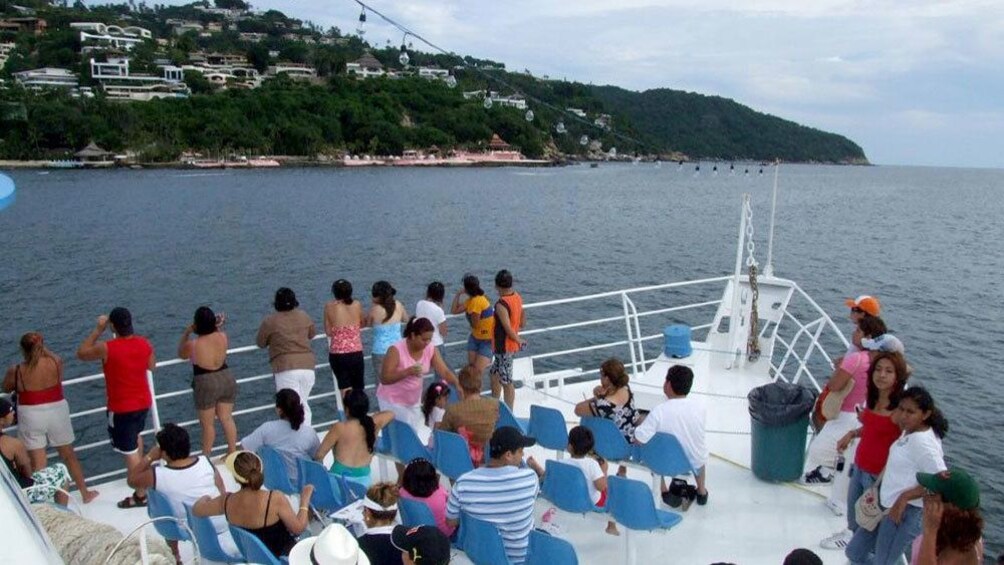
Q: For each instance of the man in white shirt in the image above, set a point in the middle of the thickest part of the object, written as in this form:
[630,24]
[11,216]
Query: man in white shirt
[432,309]
[684,417]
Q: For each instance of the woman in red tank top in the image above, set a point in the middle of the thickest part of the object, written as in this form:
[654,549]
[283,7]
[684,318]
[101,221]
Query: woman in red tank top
[44,415]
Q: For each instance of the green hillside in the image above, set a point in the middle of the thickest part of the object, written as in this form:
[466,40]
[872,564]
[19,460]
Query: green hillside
[335,112]
[716,127]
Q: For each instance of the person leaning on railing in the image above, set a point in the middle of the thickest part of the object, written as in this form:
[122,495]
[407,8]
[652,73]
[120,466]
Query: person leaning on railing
[214,387]
[287,333]
[125,360]
[43,413]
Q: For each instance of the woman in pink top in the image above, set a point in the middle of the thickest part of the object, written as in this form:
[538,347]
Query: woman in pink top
[400,389]
[343,321]
[421,482]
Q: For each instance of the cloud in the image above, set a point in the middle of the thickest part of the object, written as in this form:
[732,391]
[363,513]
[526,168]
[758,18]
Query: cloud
[852,65]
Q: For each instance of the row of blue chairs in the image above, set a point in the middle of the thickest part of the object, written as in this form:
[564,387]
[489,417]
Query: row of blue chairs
[482,543]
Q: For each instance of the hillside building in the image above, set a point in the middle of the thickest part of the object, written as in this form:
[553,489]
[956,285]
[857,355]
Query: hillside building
[365,67]
[47,78]
[118,83]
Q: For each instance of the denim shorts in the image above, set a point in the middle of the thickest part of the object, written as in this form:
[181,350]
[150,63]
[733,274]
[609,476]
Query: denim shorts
[483,347]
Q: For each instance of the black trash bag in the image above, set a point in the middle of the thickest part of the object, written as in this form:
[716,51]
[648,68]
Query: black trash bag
[780,403]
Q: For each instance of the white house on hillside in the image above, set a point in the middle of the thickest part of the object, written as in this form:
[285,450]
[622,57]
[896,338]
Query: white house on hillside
[120,84]
[96,36]
[48,77]
[5,51]
[293,70]
[433,73]
[366,66]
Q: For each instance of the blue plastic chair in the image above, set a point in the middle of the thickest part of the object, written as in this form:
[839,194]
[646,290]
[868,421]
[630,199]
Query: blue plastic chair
[404,443]
[351,490]
[208,540]
[506,418]
[252,548]
[159,507]
[274,467]
[565,486]
[610,443]
[481,541]
[327,494]
[415,513]
[630,504]
[548,550]
[451,455]
[547,425]
[664,456]
[454,396]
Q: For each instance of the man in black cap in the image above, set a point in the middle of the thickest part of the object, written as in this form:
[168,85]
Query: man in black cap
[125,360]
[503,492]
[424,545]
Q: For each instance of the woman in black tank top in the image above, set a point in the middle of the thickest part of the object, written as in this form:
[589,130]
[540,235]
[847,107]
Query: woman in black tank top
[241,508]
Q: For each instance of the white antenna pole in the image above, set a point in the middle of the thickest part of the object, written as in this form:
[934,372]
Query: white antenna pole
[769,270]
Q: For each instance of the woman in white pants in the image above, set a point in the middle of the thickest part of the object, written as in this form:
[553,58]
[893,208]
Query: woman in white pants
[287,334]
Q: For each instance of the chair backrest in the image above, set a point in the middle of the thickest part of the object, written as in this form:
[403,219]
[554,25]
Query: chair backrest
[274,467]
[482,542]
[610,443]
[327,495]
[451,454]
[404,442]
[207,538]
[546,549]
[506,418]
[454,395]
[565,486]
[548,426]
[159,507]
[415,513]
[252,548]
[630,503]
[351,490]
[664,455]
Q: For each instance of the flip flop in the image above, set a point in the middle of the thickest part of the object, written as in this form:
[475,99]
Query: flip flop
[133,501]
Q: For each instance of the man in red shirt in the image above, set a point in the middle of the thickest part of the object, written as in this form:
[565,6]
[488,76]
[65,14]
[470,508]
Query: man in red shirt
[507,342]
[125,360]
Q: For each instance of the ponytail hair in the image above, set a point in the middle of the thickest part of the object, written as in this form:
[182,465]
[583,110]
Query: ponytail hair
[925,402]
[432,394]
[288,401]
[357,405]
[33,348]
[418,326]
[472,285]
[383,294]
[248,466]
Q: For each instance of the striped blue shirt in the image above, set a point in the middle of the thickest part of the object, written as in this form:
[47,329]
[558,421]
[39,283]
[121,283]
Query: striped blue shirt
[503,496]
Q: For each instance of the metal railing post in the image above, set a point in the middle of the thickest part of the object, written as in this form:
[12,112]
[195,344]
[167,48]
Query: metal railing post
[630,338]
[154,412]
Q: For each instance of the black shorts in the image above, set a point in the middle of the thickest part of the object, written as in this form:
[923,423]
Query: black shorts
[124,429]
[349,369]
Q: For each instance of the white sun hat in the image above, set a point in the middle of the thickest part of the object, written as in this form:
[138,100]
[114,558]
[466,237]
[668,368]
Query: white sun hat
[334,546]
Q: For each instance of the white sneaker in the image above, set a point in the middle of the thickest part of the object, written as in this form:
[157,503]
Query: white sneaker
[835,507]
[838,540]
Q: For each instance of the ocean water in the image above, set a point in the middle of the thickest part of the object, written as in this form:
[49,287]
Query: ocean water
[927,241]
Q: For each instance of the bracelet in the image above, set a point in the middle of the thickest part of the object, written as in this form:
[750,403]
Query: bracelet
[302,508]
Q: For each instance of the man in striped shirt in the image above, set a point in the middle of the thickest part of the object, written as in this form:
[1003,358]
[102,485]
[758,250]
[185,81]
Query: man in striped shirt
[502,492]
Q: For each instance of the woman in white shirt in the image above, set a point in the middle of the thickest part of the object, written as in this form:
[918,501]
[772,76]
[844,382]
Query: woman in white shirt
[900,495]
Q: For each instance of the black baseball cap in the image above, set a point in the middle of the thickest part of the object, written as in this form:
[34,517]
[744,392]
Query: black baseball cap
[6,407]
[508,438]
[425,545]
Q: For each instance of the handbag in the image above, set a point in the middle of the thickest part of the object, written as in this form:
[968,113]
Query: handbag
[830,401]
[867,510]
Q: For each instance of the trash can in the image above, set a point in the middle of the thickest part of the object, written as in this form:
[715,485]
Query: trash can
[780,421]
[676,342]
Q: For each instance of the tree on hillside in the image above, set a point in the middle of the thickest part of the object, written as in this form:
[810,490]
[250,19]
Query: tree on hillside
[231,4]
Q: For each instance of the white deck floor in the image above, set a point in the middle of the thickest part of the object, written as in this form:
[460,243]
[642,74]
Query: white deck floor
[746,521]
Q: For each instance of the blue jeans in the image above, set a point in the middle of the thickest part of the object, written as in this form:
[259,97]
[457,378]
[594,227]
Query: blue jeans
[860,482]
[888,541]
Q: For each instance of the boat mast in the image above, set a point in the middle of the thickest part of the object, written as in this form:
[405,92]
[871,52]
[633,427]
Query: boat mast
[735,319]
[769,269]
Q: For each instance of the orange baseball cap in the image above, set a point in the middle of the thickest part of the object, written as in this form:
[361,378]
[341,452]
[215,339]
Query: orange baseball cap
[865,303]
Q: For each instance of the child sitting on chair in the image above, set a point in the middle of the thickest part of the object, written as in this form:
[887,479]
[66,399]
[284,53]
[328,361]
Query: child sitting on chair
[594,467]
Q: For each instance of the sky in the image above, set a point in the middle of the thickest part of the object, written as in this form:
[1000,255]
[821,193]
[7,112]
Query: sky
[914,82]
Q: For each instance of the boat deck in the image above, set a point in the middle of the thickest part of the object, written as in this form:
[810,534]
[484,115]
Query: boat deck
[746,520]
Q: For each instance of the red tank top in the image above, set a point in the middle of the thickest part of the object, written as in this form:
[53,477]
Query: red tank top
[877,435]
[125,374]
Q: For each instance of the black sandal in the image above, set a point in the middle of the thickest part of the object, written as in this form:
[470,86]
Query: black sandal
[134,501]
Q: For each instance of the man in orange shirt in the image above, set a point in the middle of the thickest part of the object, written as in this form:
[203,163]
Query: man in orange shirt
[506,343]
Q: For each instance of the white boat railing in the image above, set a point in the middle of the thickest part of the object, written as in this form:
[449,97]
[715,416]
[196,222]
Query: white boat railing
[799,347]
